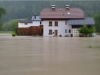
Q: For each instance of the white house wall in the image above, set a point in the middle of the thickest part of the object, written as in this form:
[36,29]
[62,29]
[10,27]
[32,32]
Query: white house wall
[61,28]
[36,23]
[23,25]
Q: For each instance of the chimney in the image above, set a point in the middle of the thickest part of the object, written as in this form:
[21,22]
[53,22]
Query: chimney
[53,7]
[67,7]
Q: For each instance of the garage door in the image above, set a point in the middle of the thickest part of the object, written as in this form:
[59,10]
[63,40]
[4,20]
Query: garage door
[75,32]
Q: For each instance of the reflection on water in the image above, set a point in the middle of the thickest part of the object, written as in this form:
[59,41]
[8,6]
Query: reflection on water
[25,55]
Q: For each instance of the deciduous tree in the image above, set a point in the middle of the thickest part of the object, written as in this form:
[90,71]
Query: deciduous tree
[87,31]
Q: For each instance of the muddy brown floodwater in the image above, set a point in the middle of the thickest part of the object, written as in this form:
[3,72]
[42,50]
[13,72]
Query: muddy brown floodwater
[26,55]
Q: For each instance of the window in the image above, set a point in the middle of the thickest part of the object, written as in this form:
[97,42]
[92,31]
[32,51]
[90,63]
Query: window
[65,22]
[65,30]
[69,31]
[50,32]
[56,23]
[50,23]
[25,23]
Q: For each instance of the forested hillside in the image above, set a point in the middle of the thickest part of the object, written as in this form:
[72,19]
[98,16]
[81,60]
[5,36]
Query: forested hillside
[25,9]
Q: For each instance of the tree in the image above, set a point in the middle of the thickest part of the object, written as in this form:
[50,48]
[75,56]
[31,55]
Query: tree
[84,30]
[90,15]
[91,30]
[13,24]
[10,26]
[26,9]
[97,22]
[2,12]
[0,25]
[87,31]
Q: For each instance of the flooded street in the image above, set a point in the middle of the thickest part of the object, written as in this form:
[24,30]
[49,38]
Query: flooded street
[26,55]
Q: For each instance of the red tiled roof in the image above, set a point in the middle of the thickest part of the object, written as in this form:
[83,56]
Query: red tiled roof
[62,13]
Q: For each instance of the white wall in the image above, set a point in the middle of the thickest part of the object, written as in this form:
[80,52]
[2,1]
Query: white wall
[36,23]
[61,28]
[23,25]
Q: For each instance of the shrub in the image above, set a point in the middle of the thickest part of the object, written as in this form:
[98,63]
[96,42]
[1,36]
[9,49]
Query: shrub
[13,34]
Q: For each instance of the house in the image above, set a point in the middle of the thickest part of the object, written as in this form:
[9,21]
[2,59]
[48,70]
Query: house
[35,21]
[63,21]
[30,27]
[59,21]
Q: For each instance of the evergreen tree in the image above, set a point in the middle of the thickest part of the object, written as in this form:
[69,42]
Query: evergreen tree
[2,12]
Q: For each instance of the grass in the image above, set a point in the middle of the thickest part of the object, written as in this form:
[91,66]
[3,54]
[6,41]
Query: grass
[6,32]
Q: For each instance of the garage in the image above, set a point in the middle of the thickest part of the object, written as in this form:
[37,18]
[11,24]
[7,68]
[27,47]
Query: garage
[77,23]
[75,32]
